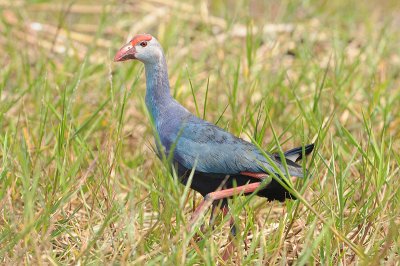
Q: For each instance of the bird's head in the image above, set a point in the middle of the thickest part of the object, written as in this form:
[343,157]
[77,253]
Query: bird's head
[142,47]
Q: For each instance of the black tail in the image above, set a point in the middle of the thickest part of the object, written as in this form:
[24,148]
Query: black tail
[274,191]
[296,154]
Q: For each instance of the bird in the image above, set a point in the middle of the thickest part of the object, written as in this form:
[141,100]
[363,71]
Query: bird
[223,165]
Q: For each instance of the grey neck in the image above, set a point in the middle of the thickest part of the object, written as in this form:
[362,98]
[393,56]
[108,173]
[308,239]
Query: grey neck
[158,89]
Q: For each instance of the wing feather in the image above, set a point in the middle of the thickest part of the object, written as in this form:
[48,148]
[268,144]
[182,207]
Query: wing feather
[218,151]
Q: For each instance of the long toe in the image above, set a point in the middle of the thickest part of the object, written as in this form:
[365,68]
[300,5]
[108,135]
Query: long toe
[228,251]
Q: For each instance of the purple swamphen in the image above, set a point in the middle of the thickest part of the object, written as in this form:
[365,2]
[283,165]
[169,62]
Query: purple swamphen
[225,165]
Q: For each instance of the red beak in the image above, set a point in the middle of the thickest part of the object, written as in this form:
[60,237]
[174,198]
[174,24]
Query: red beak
[125,53]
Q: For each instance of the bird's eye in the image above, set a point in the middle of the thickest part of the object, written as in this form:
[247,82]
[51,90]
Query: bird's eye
[143,44]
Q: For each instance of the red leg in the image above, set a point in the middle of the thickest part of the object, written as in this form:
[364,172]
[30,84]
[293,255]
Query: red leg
[225,212]
[255,175]
[222,194]
[262,175]
[230,247]
[229,250]
[214,210]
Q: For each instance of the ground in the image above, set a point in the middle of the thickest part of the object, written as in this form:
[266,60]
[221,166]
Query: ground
[80,182]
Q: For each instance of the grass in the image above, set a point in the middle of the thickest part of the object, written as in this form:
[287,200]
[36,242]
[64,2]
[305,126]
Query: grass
[80,182]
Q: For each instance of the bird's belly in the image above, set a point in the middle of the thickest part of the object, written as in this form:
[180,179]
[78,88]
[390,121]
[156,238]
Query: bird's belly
[205,183]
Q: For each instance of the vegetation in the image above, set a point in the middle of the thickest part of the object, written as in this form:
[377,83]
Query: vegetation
[80,182]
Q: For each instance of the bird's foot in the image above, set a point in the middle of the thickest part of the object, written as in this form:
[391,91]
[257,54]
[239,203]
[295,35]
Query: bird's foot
[199,236]
[228,251]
